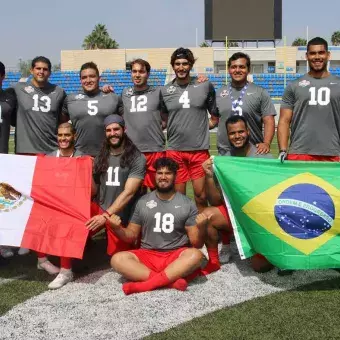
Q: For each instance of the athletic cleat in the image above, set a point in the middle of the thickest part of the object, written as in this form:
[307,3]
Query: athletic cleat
[23,251]
[48,266]
[6,252]
[65,276]
[224,253]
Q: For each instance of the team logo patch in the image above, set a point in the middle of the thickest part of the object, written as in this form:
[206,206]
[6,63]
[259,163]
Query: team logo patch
[29,89]
[171,89]
[10,198]
[304,83]
[80,96]
[151,204]
[224,93]
[129,92]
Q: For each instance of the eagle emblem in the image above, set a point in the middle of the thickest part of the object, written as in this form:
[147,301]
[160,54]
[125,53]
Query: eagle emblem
[10,198]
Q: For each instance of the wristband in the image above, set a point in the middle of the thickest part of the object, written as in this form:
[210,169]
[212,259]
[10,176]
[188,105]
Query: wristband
[106,212]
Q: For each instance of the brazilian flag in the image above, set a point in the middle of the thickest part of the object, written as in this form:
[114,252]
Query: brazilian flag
[289,212]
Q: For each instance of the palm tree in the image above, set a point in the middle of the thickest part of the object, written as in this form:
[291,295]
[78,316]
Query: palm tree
[299,42]
[335,38]
[99,39]
[205,44]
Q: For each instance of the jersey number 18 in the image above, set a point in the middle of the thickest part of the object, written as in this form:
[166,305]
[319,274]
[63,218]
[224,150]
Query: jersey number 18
[165,223]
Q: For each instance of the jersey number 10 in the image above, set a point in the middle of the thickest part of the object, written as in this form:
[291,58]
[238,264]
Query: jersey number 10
[322,97]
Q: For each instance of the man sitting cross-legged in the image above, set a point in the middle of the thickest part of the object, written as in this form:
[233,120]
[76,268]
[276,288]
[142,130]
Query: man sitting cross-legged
[238,135]
[170,232]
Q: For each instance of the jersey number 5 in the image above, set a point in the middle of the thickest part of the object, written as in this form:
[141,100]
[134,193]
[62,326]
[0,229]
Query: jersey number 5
[184,99]
[165,223]
[322,97]
[112,177]
[44,108]
[92,108]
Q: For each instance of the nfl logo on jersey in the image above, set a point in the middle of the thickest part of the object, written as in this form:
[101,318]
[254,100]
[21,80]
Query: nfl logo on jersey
[80,96]
[171,89]
[304,83]
[29,89]
[224,93]
[151,204]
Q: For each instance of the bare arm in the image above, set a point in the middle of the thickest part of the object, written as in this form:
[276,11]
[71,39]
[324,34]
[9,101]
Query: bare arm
[213,192]
[269,131]
[197,233]
[213,122]
[129,234]
[132,185]
[283,128]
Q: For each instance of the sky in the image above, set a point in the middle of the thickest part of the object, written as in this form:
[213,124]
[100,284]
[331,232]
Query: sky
[31,28]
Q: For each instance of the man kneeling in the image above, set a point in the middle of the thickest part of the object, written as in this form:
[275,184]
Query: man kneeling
[169,225]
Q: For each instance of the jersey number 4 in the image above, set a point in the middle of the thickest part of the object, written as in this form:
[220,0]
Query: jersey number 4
[184,99]
[138,104]
[322,97]
[164,223]
[43,108]
[112,177]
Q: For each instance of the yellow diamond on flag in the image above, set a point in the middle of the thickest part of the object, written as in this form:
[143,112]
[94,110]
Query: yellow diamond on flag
[301,211]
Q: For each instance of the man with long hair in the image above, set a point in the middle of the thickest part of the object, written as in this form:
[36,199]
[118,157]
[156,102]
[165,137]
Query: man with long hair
[119,171]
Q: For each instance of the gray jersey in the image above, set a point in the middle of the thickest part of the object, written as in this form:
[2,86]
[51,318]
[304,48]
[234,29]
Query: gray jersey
[315,126]
[7,117]
[142,115]
[38,111]
[55,153]
[254,105]
[87,114]
[163,222]
[112,183]
[187,106]
[251,153]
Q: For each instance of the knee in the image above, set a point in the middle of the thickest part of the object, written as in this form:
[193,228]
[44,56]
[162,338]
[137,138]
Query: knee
[195,255]
[117,260]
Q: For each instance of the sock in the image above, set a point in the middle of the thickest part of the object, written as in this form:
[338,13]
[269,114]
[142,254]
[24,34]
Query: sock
[213,263]
[179,284]
[225,236]
[157,281]
[65,263]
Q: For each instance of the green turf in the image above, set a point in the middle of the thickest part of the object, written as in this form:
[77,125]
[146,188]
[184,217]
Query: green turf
[310,312]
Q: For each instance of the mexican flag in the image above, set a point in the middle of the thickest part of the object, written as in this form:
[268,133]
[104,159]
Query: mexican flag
[44,203]
[289,212]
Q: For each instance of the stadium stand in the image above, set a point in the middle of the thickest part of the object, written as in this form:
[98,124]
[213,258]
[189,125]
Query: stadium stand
[11,79]
[69,80]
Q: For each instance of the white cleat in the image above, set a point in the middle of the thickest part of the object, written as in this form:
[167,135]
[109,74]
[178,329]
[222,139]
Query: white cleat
[65,276]
[6,252]
[48,266]
[224,253]
[23,251]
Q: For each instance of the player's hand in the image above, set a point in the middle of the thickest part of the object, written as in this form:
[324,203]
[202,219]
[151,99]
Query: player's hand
[201,78]
[282,156]
[95,222]
[208,166]
[108,89]
[115,221]
[202,220]
[262,148]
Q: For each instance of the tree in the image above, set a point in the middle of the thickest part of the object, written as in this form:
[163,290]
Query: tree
[56,67]
[99,39]
[25,67]
[299,42]
[205,44]
[335,38]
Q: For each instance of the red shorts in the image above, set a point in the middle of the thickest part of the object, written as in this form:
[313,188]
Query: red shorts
[156,260]
[114,244]
[151,157]
[225,234]
[190,164]
[304,157]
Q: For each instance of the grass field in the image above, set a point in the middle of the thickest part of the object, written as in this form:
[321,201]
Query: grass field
[307,312]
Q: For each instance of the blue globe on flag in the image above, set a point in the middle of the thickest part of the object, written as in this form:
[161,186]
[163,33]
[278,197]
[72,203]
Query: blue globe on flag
[304,211]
